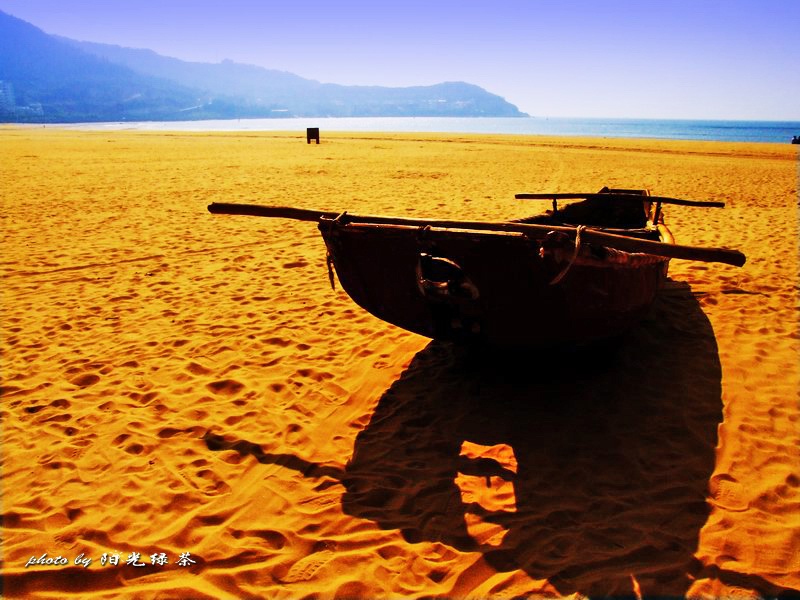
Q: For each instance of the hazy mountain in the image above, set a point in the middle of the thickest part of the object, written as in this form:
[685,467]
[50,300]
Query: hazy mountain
[45,78]
[226,78]
[305,97]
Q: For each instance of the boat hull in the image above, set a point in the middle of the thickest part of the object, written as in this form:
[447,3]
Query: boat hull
[498,288]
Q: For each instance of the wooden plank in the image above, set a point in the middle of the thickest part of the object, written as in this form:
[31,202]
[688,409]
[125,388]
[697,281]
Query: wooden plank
[618,242]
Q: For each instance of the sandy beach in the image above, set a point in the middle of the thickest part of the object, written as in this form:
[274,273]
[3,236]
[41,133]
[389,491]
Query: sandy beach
[185,394]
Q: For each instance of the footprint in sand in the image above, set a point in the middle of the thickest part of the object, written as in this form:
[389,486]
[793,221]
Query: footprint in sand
[168,432]
[78,449]
[134,448]
[225,387]
[296,264]
[197,369]
[728,493]
[85,380]
[318,504]
[205,480]
[275,540]
[305,568]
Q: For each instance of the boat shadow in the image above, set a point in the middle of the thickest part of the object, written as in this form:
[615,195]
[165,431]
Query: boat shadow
[583,467]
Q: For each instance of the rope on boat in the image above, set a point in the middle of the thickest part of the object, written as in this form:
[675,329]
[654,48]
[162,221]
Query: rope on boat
[564,271]
[329,261]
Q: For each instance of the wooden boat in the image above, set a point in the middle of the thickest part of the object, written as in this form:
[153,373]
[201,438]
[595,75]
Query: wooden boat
[582,272]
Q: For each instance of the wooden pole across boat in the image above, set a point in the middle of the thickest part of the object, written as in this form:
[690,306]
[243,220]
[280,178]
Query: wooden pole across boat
[613,195]
[618,242]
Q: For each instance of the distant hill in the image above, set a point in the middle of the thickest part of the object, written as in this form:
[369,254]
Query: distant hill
[45,78]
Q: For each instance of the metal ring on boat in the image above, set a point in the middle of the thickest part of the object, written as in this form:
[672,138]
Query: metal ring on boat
[441,278]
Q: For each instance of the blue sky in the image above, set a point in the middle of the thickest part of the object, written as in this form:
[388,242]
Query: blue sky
[725,59]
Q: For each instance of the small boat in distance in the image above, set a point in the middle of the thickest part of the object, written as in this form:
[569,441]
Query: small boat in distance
[581,272]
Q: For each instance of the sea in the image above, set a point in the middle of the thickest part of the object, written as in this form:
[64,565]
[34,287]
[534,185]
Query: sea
[667,129]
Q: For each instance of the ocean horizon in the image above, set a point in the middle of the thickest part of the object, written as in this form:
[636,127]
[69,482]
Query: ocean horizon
[668,129]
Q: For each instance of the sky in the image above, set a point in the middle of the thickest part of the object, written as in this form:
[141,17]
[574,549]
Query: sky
[692,59]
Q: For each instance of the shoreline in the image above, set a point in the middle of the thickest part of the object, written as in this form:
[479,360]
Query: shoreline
[666,129]
[771,150]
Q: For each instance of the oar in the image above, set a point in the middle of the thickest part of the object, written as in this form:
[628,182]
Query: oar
[618,242]
[612,195]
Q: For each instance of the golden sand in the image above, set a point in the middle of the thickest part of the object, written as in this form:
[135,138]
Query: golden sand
[178,382]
